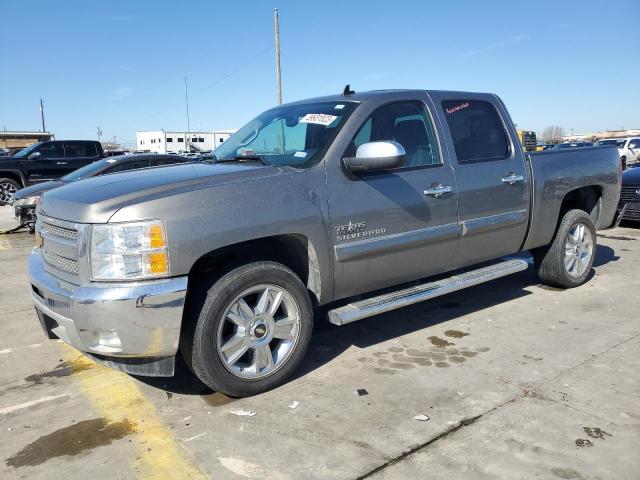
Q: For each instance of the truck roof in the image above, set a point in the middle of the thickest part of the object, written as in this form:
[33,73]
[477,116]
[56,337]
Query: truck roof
[363,96]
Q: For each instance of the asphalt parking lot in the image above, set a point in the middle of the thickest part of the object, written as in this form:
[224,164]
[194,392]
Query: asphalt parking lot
[505,380]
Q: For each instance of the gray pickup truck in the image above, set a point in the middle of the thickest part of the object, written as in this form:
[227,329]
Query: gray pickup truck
[350,201]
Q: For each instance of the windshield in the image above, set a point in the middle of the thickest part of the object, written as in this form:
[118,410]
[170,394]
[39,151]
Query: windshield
[295,135]
[86,171]
[25,152]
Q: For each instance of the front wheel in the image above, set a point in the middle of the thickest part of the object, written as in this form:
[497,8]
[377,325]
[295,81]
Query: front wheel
[252,331]
[567,261]
[8,187]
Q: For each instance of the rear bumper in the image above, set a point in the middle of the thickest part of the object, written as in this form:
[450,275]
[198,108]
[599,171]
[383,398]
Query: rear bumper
[117,323]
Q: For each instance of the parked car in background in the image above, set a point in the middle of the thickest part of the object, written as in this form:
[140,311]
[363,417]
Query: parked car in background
[630,151]
[44,161]
[544,146]
[318,202]
[572,145]
[25,200]
[630,194]
[618,142]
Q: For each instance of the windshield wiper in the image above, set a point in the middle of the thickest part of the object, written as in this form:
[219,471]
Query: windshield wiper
[244,158]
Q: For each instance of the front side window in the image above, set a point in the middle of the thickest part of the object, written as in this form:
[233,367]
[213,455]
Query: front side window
[635,143]
[293,135]
[406,123]
[51,150]
[477,130]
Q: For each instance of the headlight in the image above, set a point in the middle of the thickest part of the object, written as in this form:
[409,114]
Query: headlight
[129,251]
[26,202]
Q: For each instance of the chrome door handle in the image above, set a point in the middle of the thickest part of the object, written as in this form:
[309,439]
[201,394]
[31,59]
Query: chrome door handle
[61,163]
[513,178]
[438,190]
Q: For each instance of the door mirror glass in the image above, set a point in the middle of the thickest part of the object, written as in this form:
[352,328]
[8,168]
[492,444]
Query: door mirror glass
[373,156]
[34,155]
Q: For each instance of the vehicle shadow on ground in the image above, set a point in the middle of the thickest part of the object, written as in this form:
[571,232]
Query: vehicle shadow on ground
[330,341]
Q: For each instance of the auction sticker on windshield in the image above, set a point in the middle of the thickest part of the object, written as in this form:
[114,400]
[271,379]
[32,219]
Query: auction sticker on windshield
[318,118]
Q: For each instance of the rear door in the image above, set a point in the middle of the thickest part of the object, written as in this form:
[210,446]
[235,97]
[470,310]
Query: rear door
[385,230]
[78,154]
[493,178]
[47,164]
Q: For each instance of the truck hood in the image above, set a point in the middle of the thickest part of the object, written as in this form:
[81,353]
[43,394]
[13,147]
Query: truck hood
[95,200]
[37,189]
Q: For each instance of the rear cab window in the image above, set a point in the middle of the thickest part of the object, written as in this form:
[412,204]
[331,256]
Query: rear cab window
[477,131]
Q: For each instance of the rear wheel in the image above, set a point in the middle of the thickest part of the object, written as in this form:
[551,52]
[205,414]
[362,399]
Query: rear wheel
[252,331]
[8,187]
[567,261]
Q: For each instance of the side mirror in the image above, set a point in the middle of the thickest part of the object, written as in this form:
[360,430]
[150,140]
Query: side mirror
[373,156]
[34,155]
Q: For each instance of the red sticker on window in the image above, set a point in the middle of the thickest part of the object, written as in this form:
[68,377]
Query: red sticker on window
[457,108]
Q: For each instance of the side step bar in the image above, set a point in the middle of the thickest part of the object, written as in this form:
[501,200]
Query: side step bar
[408,296]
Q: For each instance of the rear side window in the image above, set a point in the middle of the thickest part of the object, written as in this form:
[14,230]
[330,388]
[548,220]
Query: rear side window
[477,130]
[156,162]
[80,149]
[125,166]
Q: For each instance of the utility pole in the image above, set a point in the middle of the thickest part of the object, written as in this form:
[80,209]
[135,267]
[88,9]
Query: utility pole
[186,100]
[277,35]
[42,115]
[99,133]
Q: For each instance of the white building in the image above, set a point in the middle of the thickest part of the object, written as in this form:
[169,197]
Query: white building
[162,141]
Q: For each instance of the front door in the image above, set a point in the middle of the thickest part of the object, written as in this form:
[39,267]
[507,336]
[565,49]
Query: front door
[385,229]
[47,164]
[493,178]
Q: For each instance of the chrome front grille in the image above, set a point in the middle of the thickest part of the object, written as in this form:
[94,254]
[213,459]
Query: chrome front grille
[61,263]
[60,232]
[628,194]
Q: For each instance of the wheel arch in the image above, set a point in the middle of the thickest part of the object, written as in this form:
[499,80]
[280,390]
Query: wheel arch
[295,251]
[587,198]
[16,175]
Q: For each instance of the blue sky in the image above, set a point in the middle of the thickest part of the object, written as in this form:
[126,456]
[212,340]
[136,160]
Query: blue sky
[121,64]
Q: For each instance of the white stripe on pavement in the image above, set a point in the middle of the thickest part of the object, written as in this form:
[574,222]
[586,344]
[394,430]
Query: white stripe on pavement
[20,406]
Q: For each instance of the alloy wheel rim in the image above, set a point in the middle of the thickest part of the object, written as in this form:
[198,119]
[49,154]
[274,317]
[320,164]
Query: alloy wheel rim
[578,250]
[258,332]
[6,191]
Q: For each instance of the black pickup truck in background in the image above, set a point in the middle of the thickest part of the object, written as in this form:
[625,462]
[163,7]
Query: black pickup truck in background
[45,161]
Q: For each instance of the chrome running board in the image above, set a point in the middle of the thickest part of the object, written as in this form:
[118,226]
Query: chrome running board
[408,296]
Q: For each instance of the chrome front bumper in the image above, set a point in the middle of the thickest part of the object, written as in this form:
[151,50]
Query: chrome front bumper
[110,320]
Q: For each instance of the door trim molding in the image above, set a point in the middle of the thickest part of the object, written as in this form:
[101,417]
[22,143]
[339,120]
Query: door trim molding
[395,242]
[492,222]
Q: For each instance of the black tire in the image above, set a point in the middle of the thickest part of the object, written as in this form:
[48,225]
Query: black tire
[550,260]
[7,182]
[198,342]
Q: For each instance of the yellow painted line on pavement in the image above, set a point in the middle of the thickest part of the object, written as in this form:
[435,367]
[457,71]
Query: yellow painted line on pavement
[4,244]
[115,396]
